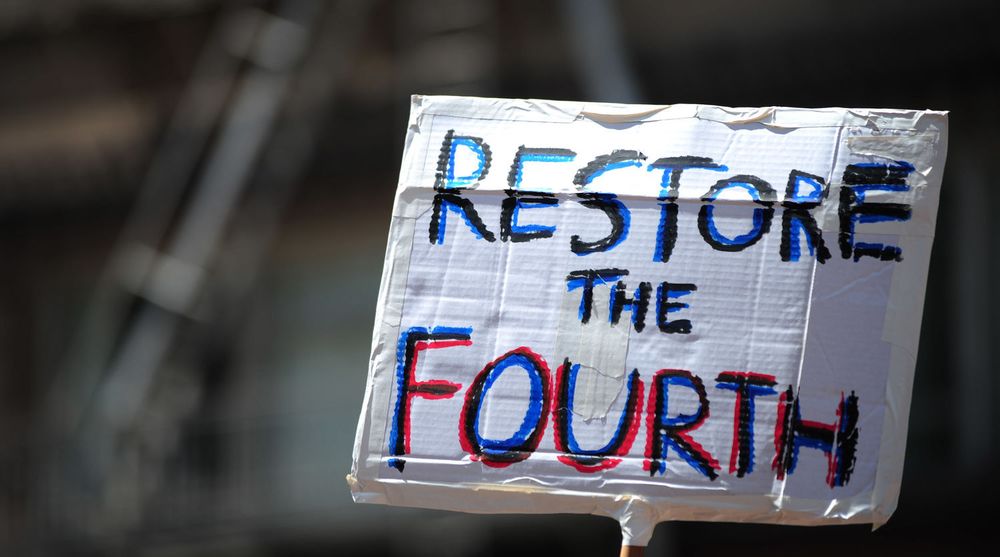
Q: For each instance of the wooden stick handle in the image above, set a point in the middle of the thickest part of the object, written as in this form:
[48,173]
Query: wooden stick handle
[631,551]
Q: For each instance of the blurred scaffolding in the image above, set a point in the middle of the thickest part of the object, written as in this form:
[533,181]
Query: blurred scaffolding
[194,196]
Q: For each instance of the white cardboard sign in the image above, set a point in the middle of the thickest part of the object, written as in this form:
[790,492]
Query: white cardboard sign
[650,312]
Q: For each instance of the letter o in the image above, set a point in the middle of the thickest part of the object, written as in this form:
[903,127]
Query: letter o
[499,453]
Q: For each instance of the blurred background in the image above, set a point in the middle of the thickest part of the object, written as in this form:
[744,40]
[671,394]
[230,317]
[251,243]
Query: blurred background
[194,200]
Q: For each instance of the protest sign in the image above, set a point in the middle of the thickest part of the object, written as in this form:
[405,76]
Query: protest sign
[650,312]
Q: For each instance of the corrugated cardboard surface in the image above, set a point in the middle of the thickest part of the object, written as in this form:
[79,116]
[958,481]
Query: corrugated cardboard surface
[825,329]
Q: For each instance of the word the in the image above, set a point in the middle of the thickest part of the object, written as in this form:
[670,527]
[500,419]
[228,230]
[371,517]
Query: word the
[638,305]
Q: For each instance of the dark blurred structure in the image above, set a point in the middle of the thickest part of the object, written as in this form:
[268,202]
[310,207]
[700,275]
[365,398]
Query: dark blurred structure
[194,197]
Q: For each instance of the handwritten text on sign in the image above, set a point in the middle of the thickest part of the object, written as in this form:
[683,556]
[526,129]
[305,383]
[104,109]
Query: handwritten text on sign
[662,305]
